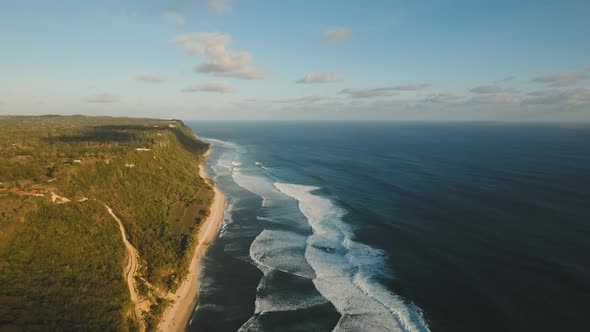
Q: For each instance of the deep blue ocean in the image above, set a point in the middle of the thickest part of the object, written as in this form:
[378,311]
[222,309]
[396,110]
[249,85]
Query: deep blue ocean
[398,227]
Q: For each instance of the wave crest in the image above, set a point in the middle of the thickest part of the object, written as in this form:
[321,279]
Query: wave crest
[346,270]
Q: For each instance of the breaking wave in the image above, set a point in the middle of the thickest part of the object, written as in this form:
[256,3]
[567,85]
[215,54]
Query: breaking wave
[346,270]
[308,257]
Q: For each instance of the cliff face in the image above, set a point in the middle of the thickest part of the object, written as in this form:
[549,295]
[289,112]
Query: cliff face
[61,252]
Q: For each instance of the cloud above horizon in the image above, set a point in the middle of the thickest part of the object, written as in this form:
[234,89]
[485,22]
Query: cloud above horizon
[217,87]
[312,78]
[337,35]
[218,6]
[491,89]
[368,93]
[218,60]
[382,91]
[570,97]
[103,98]
[411,87]
[442,98]
[303,100]
[558,80]
[149,78]
[495,99]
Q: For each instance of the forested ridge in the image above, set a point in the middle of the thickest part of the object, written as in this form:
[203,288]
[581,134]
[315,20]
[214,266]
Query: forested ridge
[61,253]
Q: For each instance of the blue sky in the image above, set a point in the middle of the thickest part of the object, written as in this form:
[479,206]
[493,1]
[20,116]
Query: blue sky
[299,60]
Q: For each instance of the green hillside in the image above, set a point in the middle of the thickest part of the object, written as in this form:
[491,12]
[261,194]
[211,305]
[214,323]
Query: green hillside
[61,253]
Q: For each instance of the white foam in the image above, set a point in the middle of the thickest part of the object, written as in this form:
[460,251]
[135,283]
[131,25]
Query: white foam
[256,185]
[259,164]
[227,216]
[225,161]
[277,250]
[270,300]
[343,271]
[274,249]
[346,269]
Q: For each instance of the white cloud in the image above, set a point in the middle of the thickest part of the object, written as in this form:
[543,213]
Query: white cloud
[491,89]
[337,35]
[369,93]
[441,98]
[495,99]
[218,87]
[173,17]
[149,78]
[412,87]
[560,79]
[484,98]
[383,91]
[218,60]
[281,104]
[303,100]
[319,78]
[103,98]
[570,97]
[218,6]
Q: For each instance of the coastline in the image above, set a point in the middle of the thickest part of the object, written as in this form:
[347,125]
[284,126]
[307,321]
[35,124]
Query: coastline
[177,315]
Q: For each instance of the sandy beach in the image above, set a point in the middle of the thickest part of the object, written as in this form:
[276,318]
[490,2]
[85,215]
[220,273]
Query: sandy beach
[178,314]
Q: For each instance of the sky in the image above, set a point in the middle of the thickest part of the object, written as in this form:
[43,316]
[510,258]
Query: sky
[523,61]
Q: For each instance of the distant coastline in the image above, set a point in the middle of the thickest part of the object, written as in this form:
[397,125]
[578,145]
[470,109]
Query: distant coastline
[176,316]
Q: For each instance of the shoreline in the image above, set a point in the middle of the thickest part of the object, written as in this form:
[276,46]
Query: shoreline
[177,315]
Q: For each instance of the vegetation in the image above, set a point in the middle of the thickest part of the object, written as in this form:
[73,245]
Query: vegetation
[61,265]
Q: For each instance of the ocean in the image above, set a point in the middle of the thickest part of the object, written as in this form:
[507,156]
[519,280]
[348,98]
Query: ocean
[398,227]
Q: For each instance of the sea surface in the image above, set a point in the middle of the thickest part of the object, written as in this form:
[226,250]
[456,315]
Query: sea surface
[398,227]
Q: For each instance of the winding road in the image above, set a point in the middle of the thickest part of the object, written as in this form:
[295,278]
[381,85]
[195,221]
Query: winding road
[130,269]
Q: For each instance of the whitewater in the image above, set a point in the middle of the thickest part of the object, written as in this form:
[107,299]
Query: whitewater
[304,240]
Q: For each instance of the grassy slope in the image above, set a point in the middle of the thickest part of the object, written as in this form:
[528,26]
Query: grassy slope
[61,265]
